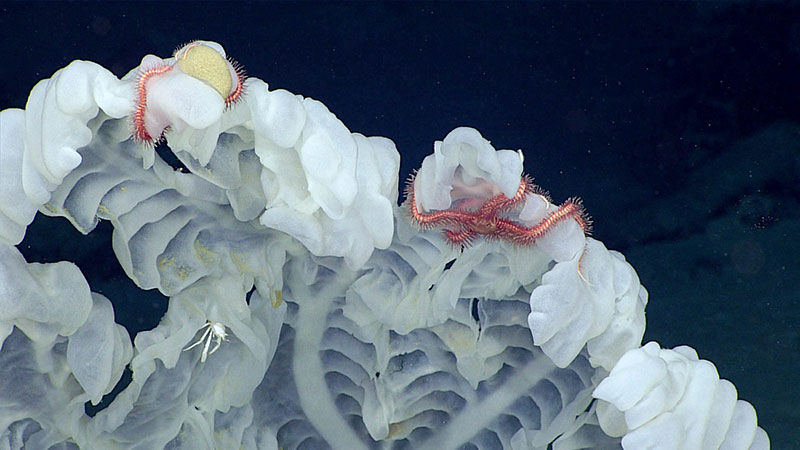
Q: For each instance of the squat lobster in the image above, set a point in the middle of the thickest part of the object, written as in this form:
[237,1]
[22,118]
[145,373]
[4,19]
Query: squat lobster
[214,330]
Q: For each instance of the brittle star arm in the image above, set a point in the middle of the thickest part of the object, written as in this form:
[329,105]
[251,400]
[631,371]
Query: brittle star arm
[523,236]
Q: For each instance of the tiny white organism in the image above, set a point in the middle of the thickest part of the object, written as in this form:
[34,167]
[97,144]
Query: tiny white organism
[214,330]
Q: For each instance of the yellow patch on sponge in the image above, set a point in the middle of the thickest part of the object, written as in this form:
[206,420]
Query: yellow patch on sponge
[206,64]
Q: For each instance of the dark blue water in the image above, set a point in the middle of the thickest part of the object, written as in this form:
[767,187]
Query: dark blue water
[678,124]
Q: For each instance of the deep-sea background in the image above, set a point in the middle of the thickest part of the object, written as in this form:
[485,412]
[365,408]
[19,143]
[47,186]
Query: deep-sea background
[678,124]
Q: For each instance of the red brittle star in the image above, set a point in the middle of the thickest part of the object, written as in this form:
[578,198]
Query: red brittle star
[462,226]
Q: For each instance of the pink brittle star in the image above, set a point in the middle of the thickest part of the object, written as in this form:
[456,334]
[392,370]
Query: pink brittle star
[463,225]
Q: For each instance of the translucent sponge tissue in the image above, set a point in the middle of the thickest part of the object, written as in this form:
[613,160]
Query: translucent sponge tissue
[478,314]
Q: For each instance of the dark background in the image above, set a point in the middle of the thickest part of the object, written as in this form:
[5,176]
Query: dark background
[676,123]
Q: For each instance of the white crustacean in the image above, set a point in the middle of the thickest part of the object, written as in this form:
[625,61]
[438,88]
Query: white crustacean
[215,331]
